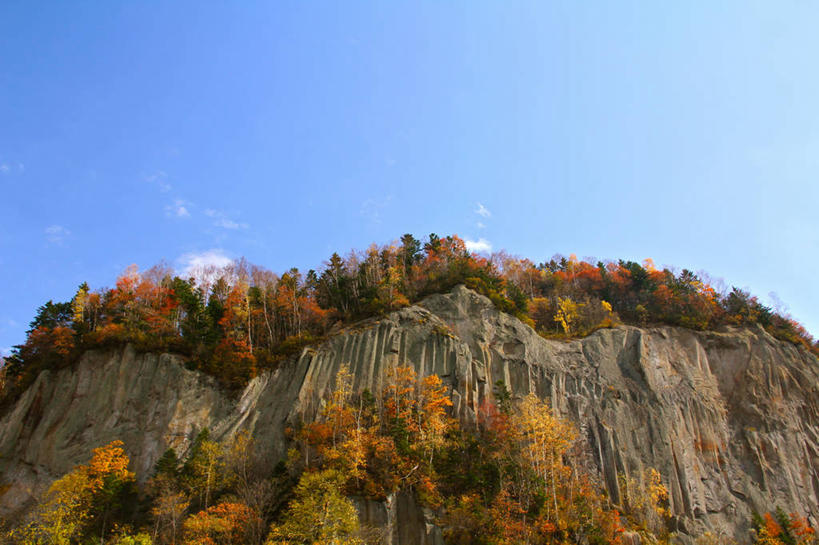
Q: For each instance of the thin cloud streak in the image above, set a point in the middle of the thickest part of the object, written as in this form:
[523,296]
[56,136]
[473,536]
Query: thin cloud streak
[56,234]
[178,209]
[7,168]
[483,211]
[371,209]
[220,219]
[160,179]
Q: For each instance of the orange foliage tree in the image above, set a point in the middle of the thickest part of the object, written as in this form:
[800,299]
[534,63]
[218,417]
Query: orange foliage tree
[221,524]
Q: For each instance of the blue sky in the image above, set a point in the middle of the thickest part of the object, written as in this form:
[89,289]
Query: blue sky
[132,132]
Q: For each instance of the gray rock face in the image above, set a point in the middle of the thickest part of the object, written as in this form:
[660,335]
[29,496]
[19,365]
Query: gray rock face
[730,419]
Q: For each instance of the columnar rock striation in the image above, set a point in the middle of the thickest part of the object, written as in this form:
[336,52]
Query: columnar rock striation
[729,418]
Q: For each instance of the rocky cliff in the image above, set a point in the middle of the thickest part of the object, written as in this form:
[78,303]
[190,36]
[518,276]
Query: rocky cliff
[730,418]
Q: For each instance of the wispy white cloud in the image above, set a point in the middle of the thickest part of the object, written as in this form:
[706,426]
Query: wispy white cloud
[160,179]
[226,223]
[220,219]
[5,351]
[483,211]
[179,209]
[481,225]
[479,246]
[11,168]
[777,304]
[372,208]
[196,263]
[56,234]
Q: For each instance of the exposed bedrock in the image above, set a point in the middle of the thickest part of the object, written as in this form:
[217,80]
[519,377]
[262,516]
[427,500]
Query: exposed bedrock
[730,418]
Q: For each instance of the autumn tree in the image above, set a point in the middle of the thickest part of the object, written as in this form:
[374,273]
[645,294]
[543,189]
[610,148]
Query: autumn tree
[222,524]
[545,439]
[319,513]
[170,503]
[83,501]
[645,498]
[202,471]
[433,420]
[141,538]
[568,312]
[169,508]
[780,528]
[247,475]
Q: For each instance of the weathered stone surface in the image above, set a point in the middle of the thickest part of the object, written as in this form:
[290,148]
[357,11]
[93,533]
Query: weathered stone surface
[730,419]
[399,520]
[150,402]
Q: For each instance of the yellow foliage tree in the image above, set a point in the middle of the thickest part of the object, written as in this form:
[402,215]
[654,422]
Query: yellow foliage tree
[319,514]
[567,314]
[83,497]
[544,440]
[646,500]
[203,470]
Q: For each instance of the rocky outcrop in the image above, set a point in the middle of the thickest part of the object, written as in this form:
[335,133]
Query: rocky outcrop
[730,418]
